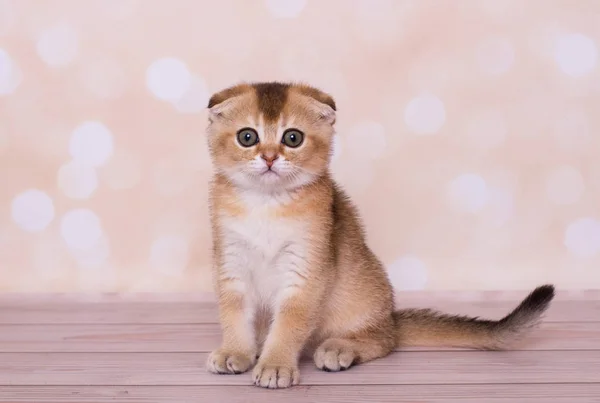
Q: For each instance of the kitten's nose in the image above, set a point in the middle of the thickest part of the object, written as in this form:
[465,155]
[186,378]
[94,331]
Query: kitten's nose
[269,159]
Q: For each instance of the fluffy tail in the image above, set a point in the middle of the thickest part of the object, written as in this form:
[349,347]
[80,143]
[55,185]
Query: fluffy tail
[428,328]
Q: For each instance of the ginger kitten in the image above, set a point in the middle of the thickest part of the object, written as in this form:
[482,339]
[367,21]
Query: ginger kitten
[292,269]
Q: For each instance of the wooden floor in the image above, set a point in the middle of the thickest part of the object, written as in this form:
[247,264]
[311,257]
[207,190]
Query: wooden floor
[152,348]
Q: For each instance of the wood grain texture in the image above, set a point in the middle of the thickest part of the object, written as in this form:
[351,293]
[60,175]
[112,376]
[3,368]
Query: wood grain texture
[405,368]
[206,337]
[492,393]
[23,311]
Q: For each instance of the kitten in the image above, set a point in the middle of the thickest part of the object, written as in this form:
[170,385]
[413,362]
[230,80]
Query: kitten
[292,270]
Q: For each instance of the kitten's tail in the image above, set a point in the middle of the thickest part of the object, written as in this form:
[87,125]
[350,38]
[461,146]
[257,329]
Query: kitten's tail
[428,328]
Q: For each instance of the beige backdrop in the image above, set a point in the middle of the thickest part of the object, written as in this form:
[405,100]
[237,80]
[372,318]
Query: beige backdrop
[467,134]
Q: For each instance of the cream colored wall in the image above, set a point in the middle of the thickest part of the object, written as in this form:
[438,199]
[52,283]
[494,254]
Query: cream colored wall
[467,134]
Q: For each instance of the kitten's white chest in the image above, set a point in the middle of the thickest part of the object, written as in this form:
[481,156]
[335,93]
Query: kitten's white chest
[262,253]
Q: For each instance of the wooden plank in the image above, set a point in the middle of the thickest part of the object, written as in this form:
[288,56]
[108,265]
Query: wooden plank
[25,311]
[206,337]
[490,393]
[406,368]
[110,338]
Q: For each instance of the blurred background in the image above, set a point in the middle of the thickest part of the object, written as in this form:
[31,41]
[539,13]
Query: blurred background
[467,134]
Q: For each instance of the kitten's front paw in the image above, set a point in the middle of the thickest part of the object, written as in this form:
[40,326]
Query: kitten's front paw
[227,362]
[275,376]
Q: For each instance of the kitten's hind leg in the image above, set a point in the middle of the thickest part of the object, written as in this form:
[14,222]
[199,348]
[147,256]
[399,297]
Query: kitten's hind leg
[339,354]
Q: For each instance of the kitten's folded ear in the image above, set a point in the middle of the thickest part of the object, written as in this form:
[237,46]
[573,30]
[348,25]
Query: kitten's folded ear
[320,96]
[325,105]
[326,112]
[220,102]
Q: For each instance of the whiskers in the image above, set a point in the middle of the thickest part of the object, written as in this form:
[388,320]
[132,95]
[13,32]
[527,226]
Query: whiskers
[252,169]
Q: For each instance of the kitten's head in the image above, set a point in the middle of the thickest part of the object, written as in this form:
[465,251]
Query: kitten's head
[271,136]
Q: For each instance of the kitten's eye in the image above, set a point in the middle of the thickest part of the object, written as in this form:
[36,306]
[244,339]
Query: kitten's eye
[292,138]
[247,137]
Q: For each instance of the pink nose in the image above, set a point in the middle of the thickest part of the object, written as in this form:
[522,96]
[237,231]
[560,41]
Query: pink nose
[269,159]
